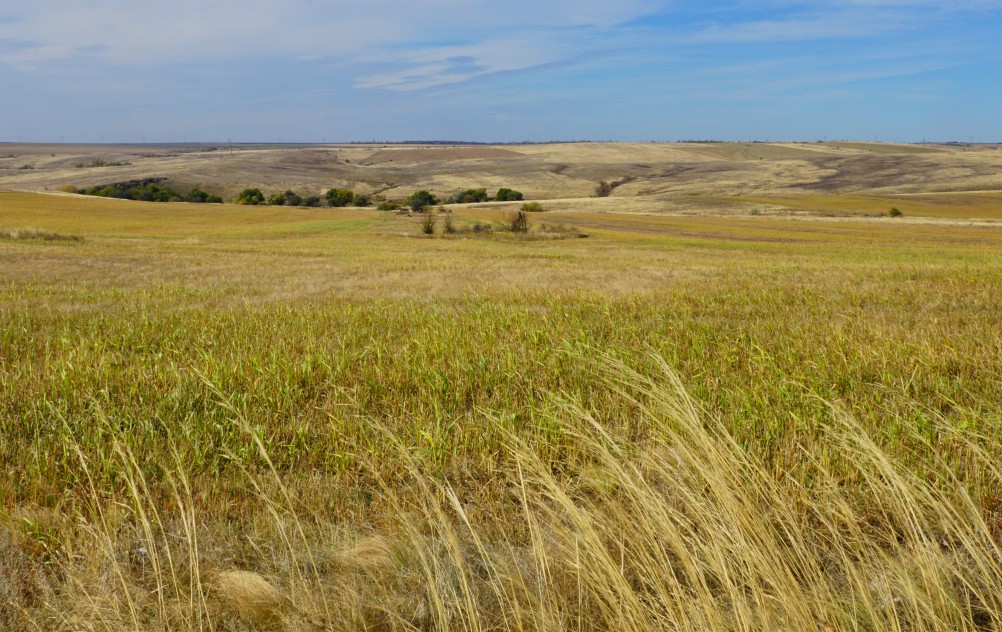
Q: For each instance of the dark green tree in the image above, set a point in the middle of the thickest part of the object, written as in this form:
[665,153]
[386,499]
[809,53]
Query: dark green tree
[250,196]
[508,195]
[340,197]
[470,195]
[420,200]
[199,196]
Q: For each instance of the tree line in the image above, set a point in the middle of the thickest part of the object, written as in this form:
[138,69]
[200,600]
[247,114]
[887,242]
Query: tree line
[148,190]
[154,190]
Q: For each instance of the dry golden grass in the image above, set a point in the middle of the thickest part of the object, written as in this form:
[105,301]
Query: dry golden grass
[250,596]
[946,205]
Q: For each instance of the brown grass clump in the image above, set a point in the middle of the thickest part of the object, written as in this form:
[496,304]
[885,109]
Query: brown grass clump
[251,597]
[368,555]
[28,233]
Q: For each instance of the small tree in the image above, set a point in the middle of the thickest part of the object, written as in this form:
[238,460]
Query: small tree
[508,195]
[250,196]
[470,195]
[519,222]
[428,224]
[362,199]
[292,198]
[340,197]
[312,201]
[276,199]
[199,196]
[420,200]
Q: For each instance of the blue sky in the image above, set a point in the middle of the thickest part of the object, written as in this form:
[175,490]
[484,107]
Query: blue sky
[356,70]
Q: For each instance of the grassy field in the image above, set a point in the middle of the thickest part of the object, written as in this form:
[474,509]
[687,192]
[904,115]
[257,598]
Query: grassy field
[229,418]
[943,205]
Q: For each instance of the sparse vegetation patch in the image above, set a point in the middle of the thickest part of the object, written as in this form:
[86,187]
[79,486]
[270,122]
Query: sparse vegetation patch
[98,162]
[34,234]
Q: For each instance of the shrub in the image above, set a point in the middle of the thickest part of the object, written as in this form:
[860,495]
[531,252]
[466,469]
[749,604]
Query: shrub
[198,196]
[894,212]
[420,200]
[470,195]
[387,206]
[68,188]
[251,196]
[533,207]
[448,226]
[605,189]
[276,199]
[340,197]
[508,195]
[311,201]
[292,198]
[362,199]
[519,222]
[428,224]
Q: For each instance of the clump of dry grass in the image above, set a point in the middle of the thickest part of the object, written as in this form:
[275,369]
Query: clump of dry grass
[250,596]
[28,233]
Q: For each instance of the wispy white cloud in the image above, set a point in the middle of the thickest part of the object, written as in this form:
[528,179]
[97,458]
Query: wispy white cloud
[143,32]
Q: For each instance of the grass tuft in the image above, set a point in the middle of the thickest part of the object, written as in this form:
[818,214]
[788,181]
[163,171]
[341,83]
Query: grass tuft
[34,234]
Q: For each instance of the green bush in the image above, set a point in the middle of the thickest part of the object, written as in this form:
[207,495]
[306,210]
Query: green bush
[420,200]
[251,196]
[198,196]
[470,195]
[508,195]
[362,199]
[311,201]
[340,197]
[894,212]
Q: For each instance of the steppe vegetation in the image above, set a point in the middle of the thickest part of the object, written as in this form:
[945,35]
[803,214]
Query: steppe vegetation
[781,415]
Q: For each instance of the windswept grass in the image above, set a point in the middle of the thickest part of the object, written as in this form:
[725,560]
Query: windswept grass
[683,530]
